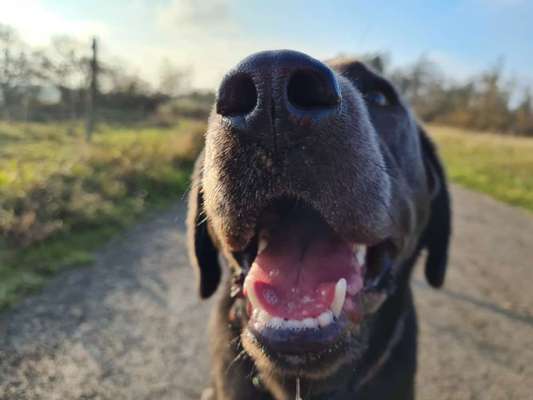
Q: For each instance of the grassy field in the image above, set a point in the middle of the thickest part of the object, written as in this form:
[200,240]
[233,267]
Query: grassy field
[498,165]
[61,197]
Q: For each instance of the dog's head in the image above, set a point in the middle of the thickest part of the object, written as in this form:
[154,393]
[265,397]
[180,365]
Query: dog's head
[319,188]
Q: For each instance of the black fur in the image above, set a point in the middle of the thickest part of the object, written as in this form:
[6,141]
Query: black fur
[359,155]
[203,254]
[436,236]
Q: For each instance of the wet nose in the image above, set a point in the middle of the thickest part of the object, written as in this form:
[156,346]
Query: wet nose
[284,84]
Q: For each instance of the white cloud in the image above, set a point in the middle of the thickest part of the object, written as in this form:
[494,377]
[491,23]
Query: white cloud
[207,37]
[209,58]
[196,17]
[202,35]
[36,23]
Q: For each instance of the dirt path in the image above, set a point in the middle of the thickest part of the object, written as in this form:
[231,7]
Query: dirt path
[130,327]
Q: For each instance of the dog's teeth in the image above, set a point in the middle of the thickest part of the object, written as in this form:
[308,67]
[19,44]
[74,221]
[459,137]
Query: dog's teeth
[310,323]
[262,245]
[263,242]
[361,254]
[325,318]
[294,324]
[276,323]
[340,296]
[250,293]
[263,317]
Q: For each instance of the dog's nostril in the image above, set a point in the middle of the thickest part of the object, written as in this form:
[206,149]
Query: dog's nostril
[237,95]
[310,89]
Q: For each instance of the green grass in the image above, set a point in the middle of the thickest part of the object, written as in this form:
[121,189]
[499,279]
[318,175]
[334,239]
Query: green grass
[498,165]
[60,197]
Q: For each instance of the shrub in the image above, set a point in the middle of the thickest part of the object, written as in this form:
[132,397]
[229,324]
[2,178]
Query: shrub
[60,197]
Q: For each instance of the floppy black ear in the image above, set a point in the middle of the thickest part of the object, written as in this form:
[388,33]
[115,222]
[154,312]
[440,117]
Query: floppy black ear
[436,236]
[202,251]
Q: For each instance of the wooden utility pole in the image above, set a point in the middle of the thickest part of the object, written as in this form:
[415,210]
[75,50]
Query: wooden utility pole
[92,93]
[6,84]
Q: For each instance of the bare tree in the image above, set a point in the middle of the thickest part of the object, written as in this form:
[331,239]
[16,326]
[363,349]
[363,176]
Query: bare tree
[15,74]
[64,65]
[173,81]
[93,92]
[523,115]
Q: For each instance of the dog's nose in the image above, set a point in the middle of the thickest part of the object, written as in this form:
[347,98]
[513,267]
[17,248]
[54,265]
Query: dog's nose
[284,85]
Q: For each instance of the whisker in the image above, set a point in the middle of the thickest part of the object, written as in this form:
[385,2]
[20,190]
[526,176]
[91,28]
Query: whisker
[203,220]
[238,357]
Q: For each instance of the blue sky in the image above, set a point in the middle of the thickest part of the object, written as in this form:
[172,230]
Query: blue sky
[209,36]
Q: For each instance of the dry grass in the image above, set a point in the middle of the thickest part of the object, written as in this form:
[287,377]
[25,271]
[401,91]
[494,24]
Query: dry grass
[499,165]
[61,197]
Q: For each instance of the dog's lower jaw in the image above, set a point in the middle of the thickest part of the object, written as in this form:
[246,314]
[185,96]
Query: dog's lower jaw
[295,366]
[281,386]
[238,376]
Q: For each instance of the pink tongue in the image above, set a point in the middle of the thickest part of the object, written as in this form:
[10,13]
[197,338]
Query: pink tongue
[295,278]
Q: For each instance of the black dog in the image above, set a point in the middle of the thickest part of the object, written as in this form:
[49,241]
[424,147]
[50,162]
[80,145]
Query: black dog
[318,189]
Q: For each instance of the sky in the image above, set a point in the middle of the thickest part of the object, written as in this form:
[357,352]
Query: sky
[210,36]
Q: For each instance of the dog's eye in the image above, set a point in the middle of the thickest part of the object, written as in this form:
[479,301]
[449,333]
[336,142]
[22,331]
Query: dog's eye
[377,97]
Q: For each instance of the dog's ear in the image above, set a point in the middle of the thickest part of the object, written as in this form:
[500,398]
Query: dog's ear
[436,236]
[202,251]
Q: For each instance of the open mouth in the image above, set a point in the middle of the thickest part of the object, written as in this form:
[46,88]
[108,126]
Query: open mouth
[304,284]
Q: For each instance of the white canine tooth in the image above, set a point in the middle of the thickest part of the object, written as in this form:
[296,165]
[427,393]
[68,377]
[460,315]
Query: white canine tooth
[250,293]
[262,245]
[263,241]
[294,324]
[310,323]
[361,254]
[340,296]
[325,318]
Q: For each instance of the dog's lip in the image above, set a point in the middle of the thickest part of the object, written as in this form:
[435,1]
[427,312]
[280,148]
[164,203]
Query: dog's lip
[304,341]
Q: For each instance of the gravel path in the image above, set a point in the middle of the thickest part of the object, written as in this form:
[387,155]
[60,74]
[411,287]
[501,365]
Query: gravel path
[131,327]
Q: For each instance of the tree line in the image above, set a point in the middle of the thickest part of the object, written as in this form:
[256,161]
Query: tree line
[51,83]
[487,101]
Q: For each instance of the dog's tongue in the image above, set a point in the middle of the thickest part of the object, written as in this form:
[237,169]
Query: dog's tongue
[294,277]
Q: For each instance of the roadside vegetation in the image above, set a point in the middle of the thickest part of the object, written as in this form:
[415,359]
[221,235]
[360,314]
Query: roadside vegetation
[65,191]
[61,197]
[498,165]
